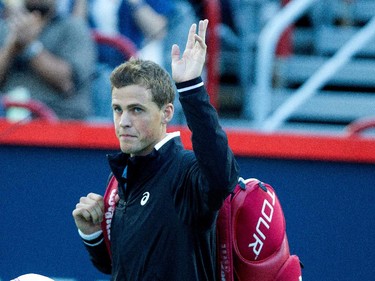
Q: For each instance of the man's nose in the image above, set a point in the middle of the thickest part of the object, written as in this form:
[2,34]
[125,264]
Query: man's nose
[125,120]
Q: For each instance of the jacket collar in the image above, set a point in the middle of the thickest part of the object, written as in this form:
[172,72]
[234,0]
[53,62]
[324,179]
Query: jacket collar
[138,164]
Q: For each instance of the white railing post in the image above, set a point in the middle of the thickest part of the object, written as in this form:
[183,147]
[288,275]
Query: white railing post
[268,39]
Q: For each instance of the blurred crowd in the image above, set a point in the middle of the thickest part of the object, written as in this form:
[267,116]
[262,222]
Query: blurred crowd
[48,52]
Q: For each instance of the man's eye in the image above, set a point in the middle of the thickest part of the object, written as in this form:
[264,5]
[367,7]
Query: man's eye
[137,109]
[117,109]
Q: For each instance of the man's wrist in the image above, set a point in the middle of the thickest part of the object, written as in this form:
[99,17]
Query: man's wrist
[91,236]
[189,85]
[93,239]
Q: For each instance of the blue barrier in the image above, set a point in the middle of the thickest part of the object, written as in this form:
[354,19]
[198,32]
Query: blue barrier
[328,205]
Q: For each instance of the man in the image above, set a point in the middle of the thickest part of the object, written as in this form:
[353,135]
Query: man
[168,198]
[52,57]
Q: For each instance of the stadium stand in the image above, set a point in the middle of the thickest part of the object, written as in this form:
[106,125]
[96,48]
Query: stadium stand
[349,94]
[313,38]
[320,33]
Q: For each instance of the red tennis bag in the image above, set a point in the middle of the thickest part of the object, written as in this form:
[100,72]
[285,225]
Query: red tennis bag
[251,231]
[251,237]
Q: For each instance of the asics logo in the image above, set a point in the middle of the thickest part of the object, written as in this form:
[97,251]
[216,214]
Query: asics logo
[145,198]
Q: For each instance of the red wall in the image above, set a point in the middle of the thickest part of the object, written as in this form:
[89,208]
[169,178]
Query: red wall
[243,143]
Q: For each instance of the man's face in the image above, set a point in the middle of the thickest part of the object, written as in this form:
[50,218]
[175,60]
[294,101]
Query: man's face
[139,122]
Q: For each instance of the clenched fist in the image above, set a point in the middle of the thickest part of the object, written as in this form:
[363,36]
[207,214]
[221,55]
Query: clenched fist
[88,213]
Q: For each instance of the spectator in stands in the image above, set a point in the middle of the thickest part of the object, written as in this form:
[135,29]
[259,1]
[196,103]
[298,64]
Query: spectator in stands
[152,25]
[145,22]
[53,57]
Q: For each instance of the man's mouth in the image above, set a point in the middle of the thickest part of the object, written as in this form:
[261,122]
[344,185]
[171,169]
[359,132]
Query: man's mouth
[126,136]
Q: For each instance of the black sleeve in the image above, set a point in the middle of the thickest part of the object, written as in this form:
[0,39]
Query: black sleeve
[99,255]
[217,163]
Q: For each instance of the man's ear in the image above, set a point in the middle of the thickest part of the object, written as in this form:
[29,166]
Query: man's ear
[168,111]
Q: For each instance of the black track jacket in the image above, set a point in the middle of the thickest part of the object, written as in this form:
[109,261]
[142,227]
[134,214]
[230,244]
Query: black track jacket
[164,226]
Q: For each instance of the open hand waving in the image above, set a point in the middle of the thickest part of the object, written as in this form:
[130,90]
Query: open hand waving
[190,65]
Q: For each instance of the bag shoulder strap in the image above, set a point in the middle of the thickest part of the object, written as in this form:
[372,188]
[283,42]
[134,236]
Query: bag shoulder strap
[225,240]
[109,210]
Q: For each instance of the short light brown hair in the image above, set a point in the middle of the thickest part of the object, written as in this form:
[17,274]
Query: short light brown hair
[147,74]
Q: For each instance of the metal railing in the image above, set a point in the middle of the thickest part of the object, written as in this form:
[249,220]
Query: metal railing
[268,39]
[320,77]
[261,96]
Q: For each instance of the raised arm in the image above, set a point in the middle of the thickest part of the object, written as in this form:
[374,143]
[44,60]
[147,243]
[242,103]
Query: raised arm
[218,171]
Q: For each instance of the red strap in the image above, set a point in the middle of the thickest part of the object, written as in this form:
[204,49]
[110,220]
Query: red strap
[224,241]
[109,210]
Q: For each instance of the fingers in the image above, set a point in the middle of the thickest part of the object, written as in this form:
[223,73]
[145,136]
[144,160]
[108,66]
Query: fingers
[175,53]
[201,42]
[201,36]
[97,198]
[202,29]
[90,208]
[191,37]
